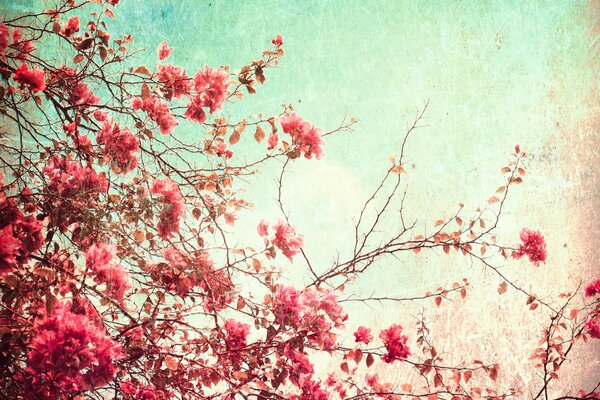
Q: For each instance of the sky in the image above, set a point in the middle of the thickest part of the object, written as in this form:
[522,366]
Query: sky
[495,74]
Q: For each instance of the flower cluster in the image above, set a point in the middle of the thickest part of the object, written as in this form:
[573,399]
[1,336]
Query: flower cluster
[133,391]
[304,135]
[236,334]
[173,207]
[99,261]
[68,80]
[118,144]
[82,142]
[593,289]
[174,79]
[163,50]
[34,79]
[533,245]
[69,352]
[70,179]
[395,344]
[211,90]
[11,44]
[71,27]
[592,328]
[363,334]
[285,238]
[20,234]
[158,111]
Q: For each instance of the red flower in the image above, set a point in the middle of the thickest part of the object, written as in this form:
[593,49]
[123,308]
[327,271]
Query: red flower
[236,334]
[395,343]
[363,334]
[533,246]
[592,328]
[287,240]
[99,262]
[118,144]
[278,41]
[158,111]
[175,80]
[34,78]
[163,50]
[304,135]
[171,196]
[592,289]
[211,85]
[71,27]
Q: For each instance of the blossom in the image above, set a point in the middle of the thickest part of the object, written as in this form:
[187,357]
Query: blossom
[32,78]
[163,50]
[158,111]
[287,240]
[9,249]
[118,144]
[99,261]
[592,328]
[138,391]
[593,289]
[175,80]
[71,27]
[211,86]
[78,93]
[262,228]
[171,197]
[395,344]
[363,334]
[304,135]
[70,352]
[236,333]
[272,141]
[278,41]
[372,380]
[69,178]
[533,246]
[3,38]
[194,111]
[223,150]
[287,307]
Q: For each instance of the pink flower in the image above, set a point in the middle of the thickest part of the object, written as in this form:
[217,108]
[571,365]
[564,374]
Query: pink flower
[305,136]
[363,334]
[592,289]
[99,261]
[163,50]
[533,246]
[100,116]
[272,141]
[287,240]
[70,353]
[9,249]
[372,380]
[33,79]
[68,178]
[173,208]
[211,86]
[236,333]
[263,228]
[3,38]
[278,41]
[223,151]
[395,344]
[118,144]
[175,80]
[592,328]
[158,111]
[194,111]
[287,307]
[71,27]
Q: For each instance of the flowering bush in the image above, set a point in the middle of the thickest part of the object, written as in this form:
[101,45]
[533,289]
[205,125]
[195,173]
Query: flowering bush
[121,274]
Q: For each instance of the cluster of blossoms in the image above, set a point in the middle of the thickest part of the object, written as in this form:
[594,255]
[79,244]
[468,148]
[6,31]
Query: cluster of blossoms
[592,327]
[118,144]
[593,289]
[304,135]
[173,207]
[236,334]
[34,79]
[395,344]
[82,142]
[69,352]
[180,274]
[133,391]
[71,27]
[158,111]
[20,234]
[210,86]
[68,80]
[285,238]
[363,334]
[175,81]
[99,261]
[12,45]
[312,311]
[533,245]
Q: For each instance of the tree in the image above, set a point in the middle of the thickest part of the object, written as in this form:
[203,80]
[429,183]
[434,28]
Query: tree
[120,277]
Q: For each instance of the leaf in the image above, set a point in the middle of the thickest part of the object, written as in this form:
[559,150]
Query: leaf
[493,199]
[406,387]
[139,236]
[467,376]
[398,169]
[56,27]
[463,293]
[78,58]
[103,53]
[502,288]
[344,367]
[86,44]
[437,379]
[438,301]
[505,170]
[171,363]
[456,377]
[259,135]
[256,265]
[241,303]
[370,359]
[234,138]
[439,222]
[142,70]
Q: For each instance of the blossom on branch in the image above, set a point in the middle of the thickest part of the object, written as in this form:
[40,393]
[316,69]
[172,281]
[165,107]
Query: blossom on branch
[395,344]
[533,245]
[173,207]
[34,79]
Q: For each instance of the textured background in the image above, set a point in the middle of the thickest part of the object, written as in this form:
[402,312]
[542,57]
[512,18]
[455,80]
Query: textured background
[496,74]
